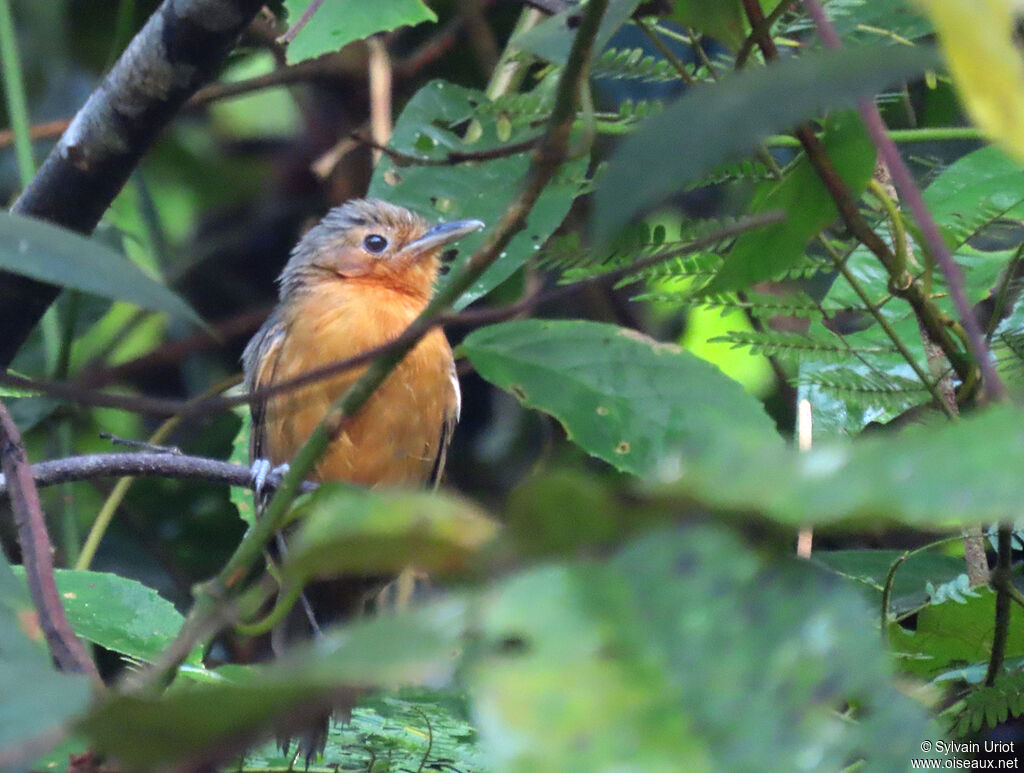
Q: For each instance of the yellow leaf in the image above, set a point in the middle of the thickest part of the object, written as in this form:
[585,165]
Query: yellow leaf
[978,38]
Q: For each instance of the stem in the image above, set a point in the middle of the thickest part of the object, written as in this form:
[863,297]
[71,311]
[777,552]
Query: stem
[670,56]
[928,134]
[1002,579]
[14,89]
[37,553]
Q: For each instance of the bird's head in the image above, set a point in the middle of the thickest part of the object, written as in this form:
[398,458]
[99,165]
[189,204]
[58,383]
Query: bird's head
[374,241]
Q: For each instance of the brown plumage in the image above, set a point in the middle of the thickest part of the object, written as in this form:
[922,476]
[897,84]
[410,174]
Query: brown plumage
[354,282]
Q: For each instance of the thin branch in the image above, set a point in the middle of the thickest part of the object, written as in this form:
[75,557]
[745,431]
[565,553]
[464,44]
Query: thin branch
[451,158]
[143,464]
[301,22]
[764,27]
[178,49]
[37,553]
[75,393]
[992,385]
[1002,581]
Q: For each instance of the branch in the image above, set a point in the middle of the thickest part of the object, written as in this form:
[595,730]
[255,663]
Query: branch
[301,22]
[1002,581]
[992,385]
[37,554]
[452,157]
[161,465]
[178,49]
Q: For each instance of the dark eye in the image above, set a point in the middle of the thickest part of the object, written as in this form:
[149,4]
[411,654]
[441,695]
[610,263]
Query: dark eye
[375,243]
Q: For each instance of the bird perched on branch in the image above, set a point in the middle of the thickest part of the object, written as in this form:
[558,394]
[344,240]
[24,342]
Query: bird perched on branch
[355,282]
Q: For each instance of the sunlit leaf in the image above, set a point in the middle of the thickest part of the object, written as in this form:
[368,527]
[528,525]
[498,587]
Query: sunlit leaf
[980,39]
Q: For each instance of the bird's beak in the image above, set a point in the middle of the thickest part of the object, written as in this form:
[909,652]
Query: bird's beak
[443,234]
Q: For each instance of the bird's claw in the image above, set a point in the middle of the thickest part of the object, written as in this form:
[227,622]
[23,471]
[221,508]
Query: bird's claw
[261,470]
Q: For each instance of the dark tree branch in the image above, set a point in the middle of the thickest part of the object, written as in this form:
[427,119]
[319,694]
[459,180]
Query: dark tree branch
[37,553]
[1002,583]
[162,465]
[179,49]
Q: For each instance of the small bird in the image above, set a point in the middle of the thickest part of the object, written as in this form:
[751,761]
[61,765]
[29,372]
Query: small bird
[354,282]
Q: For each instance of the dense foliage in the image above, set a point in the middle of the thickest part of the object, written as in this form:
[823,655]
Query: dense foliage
[704,233]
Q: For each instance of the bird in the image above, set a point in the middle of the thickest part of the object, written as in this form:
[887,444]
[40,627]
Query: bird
[355,281]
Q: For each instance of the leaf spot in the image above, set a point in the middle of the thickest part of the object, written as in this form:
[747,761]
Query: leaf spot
[622,447]
[518,391]
[602,410]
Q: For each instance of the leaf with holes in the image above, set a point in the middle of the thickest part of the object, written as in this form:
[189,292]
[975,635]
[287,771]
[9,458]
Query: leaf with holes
[644,407]
[432,125]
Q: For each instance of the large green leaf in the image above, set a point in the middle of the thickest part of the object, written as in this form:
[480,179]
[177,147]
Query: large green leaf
[339,22]
[196,719]
[34,698]
[954,634]
[936,475]
[428,127]
[120,614]
[644,407]
[802,195]
[712,123]
[61,257]
[350,530]
[649,663]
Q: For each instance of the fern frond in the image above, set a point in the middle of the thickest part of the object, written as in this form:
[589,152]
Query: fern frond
[990,705]
[741,171]
[757,304]
[635,64]
[885,389]
[795,346]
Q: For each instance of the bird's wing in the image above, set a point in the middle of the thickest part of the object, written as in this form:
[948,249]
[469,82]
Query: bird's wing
[453,409]
[260,362]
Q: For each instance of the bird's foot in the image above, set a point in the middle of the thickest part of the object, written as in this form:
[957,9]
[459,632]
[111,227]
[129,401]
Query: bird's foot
[261,470]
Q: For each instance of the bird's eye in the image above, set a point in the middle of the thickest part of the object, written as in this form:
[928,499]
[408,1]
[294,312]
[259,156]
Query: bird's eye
[375,243]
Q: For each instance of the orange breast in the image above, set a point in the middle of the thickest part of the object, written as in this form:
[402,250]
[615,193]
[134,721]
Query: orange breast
[394,438]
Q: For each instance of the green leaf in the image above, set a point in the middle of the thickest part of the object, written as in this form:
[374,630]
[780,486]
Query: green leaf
[723,20]
[870,568]
[644,407]
[351,530]
[193,719]
[713,123]
[339,22]
[34,698]
[428,127]
[242,498]
[952,634]
[552,38]
[117,613]
[938,475]
[802,195]
[51,254]
[650,660]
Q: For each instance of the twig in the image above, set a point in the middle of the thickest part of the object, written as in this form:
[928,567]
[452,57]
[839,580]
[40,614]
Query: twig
[380,78]
[140,445]
[450,159]
[301,22]
[1002,579]
[178,49]
[992,385]
[37,553]
[762,28]
[212,602]
[75,393]
[158,465]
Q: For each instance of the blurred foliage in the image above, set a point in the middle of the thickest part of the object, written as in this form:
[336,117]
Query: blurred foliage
[612,579]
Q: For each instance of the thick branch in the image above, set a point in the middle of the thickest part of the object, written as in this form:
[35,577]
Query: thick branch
[37,553]
[163,465]
[178,50]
